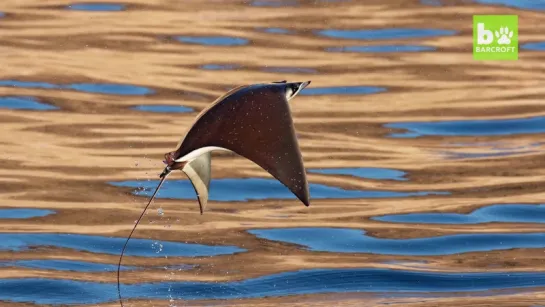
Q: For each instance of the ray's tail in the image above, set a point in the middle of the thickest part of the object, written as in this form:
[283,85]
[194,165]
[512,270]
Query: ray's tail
[163,176]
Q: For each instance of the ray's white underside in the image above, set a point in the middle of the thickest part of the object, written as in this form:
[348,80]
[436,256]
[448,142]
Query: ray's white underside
[195,153]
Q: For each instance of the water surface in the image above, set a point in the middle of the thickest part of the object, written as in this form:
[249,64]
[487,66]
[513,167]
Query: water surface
[537,5]
[213,40]
[313,281]
[505,213]
[291,70]
[156,108]
[110,245]
[64,265]
[381,48]
[219,66]
[96,7]
[24,103]
[274,3]
[364,172]
[480,155]
[341,90]
[276,30]
[534,46]
[344,240]
[97,88]
[476,127]
[235,189]
[431,2]
[24,213]
[385,33]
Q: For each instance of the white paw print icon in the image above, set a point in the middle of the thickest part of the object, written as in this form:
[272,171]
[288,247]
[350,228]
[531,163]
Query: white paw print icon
[504,36]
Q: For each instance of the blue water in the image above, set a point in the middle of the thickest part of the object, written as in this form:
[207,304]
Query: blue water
[382,48]
[110,245]
[364,172]
[536,5]
[24,213]
[534,46]
[106,7]
[291,70]
[163,108]
[24,103]
[344,240]
[276,30]
[274,3]
[113,89]
[98,88]
[474,155]
[520,4]
[431,2]
[480,127]
[64,265]
[235,189]
[508,213]
[341,90]
[381,34]
[219,66]
[213,40]
[2,14]
[59,291]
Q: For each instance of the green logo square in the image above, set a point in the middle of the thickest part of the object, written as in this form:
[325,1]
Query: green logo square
[495,37]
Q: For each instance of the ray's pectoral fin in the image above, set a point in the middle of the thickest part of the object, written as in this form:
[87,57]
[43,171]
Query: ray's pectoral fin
[270,142]
[198,171]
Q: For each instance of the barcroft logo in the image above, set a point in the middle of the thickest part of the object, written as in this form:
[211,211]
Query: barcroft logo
[495,37]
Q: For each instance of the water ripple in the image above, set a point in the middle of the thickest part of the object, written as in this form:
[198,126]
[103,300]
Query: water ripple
[59,291]
[382,48]
[274,3]
[478,127]
[234,189]
[219,66]
[275,30]
[364,172]
[291,70]
[64,265]
[24,213]
[537,5]
[96,7]
[540,46]
[383,34]
[342,90]
[24,103]
[213,40]
[156,108]
[345,240]
[99,88]
[505,213]
[110,245]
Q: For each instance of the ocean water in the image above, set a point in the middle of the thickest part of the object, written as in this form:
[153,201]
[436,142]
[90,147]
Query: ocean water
[401,131]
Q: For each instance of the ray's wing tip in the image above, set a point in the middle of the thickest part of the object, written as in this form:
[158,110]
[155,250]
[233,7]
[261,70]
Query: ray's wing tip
[305,198]
[201,205]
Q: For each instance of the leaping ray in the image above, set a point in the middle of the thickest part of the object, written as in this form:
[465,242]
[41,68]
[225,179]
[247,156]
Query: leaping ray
[253,121]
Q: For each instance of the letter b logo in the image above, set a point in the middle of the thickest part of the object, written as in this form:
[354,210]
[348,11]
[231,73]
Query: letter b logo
[484,37]
[495,37]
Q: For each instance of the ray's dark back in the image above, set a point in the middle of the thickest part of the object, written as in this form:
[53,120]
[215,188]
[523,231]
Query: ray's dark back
[254,122]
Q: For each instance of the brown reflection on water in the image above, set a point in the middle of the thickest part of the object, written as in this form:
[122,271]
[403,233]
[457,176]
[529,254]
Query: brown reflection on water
[63,159]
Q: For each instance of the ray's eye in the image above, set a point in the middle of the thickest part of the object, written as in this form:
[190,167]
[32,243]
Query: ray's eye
[294,89]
